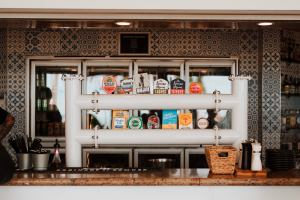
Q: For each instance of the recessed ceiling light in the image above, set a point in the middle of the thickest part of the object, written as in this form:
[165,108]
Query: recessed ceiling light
[122,23]
[265,23]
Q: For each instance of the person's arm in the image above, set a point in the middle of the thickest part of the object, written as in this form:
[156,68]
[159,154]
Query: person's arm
[7,126]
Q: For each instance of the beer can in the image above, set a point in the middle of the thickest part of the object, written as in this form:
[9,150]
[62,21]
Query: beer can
[62,129]
[45,127]
[44,104]
[37,80]
[50,129]
[39,104]
[43,79]
[38,127]
[57,129]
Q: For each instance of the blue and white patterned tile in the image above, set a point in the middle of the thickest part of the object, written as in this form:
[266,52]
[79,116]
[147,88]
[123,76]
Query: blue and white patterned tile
[271,102]
[69,41]
[16,101]
[15,40]
[230,43]
[89,42]
[107,42]
[32,42]
[49,41]
[271,82]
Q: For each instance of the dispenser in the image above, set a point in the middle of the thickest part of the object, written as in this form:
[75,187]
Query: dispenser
[56,162]
[256,163]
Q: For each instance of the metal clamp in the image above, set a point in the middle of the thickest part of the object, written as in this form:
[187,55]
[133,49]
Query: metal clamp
[217,100]
[232,77]
[95,101]
[95,137]
[217,136]
[80,77]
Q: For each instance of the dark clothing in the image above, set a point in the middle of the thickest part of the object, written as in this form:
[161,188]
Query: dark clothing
[3,115]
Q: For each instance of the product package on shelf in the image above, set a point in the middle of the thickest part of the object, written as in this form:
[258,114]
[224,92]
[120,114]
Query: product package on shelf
[169,120]
[119,119]
[185,120]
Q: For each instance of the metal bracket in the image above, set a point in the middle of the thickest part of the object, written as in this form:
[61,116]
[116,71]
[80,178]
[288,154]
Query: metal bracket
[217,136]
[232,77]
[95,101]
[95,137]
[64,77]
[217,100]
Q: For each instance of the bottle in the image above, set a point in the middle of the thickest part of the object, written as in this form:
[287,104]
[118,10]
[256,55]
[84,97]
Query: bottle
[292,86]
[296,85]
[288,119]
[286,84]
[282,83]
[256,162]
[247,155]
[241,155]
[292,118]
[56,162]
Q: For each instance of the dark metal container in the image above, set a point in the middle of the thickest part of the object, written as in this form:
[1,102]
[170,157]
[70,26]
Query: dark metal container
[162,163]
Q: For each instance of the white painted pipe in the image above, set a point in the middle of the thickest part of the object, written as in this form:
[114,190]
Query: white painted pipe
[73,123]
[151,101]
[157,136]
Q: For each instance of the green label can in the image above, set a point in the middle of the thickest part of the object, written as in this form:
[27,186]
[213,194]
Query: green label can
[135,122]
[44,104]
[39,104]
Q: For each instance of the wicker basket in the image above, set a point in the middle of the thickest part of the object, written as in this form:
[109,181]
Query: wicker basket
[220,165]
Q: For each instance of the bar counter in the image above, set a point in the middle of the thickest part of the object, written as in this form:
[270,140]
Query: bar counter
[168,177]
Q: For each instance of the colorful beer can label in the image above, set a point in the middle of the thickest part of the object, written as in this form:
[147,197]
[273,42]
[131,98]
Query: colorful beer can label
[160,86]
[202,123]
[44,104]
[50,129]
[109,84]
[195,88]
[39,104]
[126,85]
[153,122]
[169,119]
[135,122]
[177,86]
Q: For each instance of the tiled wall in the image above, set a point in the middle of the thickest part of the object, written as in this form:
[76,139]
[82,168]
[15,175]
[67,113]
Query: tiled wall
[164,42]
[271,89]
[3,60]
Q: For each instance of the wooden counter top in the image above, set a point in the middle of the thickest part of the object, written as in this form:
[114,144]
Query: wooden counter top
[176,177]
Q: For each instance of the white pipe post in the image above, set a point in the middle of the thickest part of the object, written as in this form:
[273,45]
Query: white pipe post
[182,78]
[135,71]
[73,119]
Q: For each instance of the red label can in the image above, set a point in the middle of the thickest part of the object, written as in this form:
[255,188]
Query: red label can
[56,129]
[50,129]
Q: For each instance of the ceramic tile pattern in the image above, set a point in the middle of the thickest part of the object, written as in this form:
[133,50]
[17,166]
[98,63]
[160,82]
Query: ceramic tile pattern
[163,42]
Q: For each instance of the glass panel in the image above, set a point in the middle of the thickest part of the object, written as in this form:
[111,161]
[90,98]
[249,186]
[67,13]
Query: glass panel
[222,119]
[167,73]
[107,160]
[197,161]
[212,78]
[143,159]
[50,100]
[95,76]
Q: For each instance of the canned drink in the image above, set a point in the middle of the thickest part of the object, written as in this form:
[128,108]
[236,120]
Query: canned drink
[38,127]
[287,88]
[50,129]
[62,129]
[57,129]
[44,126]
[44,104]
[37,80]
[39,104]
[43,79]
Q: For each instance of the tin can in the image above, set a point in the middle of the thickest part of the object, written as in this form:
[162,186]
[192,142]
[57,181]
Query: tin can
[50,129]
[39,104]
[44,126]
[43,79]
[44,104]
[37,80]
[62,129]
[57,129]
[38,127]
[293,121]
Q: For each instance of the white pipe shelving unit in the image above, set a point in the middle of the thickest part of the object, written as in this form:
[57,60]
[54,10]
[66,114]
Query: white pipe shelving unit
[75,102]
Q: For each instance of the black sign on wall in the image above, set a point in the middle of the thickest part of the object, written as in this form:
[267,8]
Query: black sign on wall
[134,44]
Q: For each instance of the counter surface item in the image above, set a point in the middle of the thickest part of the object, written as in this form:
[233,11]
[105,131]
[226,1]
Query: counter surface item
[176,177]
